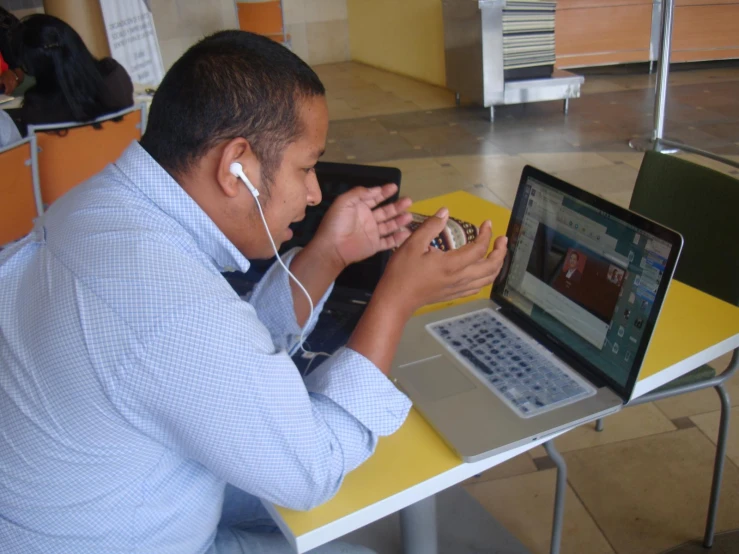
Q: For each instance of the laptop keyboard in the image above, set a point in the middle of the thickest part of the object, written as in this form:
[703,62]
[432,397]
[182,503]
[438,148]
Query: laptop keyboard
[527,380]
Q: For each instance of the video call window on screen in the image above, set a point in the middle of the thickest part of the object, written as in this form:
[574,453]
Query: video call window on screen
[587,278]
[576,272]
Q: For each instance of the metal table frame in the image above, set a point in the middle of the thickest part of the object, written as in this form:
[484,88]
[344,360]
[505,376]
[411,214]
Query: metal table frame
[418,521]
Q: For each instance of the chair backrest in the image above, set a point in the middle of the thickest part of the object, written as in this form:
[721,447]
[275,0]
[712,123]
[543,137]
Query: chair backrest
[262,18]
[70,153]
[18,206]
[701,204]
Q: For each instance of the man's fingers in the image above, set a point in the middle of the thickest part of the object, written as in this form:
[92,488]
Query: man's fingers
[394,240]
[501,243]
[374,195]
[473,251]
[500,249]
[389,227]
[487,268]
[428,230]
[384,213]
[483,269]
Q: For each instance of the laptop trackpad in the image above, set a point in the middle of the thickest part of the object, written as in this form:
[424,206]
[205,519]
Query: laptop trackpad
[438,378]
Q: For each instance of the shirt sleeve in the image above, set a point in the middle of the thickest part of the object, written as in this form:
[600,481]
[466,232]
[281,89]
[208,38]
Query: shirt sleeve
[213,388]
[273,300]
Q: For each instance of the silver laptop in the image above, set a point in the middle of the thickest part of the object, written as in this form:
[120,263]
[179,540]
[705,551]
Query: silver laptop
[562,338]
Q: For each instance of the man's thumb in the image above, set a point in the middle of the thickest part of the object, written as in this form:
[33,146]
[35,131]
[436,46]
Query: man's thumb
[429,229]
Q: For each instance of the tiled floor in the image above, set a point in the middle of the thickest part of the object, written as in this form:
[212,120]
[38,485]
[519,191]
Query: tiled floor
[642,485]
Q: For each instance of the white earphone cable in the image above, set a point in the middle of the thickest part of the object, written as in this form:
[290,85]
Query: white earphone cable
[238,171]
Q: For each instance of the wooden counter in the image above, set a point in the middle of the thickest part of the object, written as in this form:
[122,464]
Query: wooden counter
[601,32]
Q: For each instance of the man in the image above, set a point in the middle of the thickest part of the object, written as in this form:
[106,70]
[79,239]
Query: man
[145,407]
[572,273]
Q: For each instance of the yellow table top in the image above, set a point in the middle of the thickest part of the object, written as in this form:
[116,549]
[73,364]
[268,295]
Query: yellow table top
[691,322]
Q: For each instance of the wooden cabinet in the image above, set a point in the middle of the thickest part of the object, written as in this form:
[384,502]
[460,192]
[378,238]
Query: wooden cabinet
[602,32]
[705,30]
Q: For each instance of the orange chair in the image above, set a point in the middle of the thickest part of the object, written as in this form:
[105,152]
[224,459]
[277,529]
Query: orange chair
[264,18]
[18,206]
[70,153]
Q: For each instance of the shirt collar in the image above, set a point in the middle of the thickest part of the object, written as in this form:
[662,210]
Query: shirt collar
[159,186]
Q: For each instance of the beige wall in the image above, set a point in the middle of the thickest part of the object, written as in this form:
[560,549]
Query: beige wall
[181,23]
[86,18]
[402,36]
[319,29]
[20,14]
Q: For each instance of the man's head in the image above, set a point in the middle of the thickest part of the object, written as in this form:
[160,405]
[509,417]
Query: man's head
[573,260]
[239,97]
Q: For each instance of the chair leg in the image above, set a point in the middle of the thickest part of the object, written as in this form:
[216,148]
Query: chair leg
[599,424]
[559,496]
[718,466]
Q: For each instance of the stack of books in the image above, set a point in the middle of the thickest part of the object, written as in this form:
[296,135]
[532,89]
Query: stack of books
[528,39]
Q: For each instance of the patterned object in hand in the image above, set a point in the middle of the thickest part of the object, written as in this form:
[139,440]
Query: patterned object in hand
[456,233]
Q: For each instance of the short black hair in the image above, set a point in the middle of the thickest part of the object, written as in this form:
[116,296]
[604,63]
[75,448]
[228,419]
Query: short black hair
[230,84]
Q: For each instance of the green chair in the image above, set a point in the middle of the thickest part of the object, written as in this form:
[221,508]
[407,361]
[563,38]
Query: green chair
[701,204]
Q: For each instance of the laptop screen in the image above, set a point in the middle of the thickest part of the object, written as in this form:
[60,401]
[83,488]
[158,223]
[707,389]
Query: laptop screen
[589,274]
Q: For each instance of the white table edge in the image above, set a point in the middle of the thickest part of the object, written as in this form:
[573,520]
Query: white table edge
[687,365]
[442,481]
[403,499]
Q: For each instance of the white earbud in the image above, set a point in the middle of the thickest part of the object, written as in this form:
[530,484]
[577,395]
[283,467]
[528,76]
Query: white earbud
[237,170]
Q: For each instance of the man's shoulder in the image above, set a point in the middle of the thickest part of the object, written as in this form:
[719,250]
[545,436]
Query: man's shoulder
[123,249]
[106,202]
[108,222]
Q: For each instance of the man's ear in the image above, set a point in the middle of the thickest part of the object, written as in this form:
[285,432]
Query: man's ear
[237,150]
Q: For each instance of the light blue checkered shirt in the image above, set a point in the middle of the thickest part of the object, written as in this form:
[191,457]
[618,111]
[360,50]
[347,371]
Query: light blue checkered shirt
[135,383]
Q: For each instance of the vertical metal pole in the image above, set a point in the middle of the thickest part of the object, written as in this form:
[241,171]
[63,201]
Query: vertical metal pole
[284,27]
[663,69]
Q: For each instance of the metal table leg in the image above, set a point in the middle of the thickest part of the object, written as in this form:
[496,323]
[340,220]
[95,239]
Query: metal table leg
[559,496]
[566,106]
[718,466]
[418,527]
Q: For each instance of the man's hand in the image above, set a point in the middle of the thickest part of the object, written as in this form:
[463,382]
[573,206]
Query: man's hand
[417,275]
[355,228]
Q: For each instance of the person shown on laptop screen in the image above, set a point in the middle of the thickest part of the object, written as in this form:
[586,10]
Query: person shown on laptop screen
[144,405]
[573,269]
